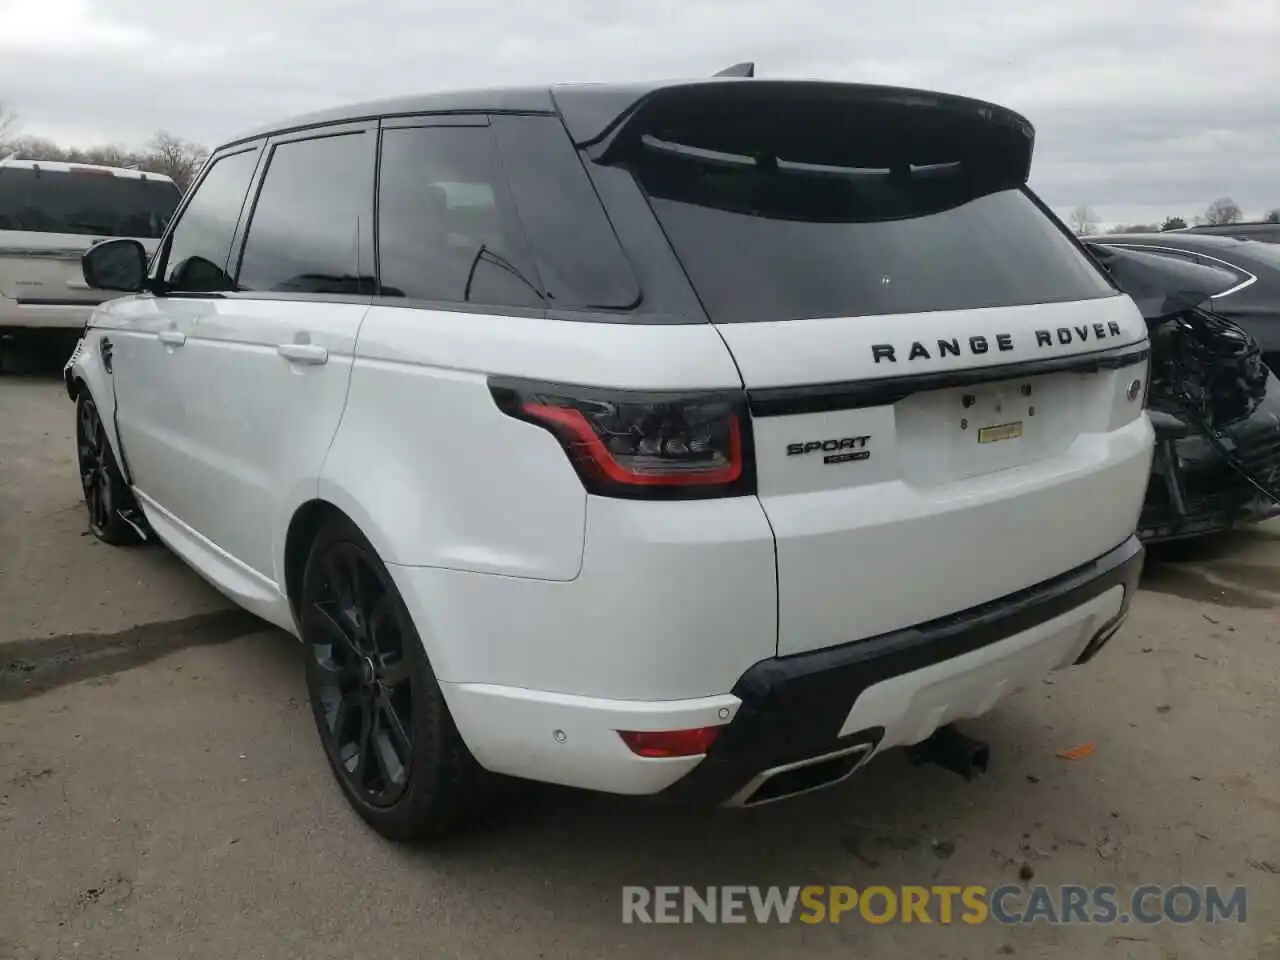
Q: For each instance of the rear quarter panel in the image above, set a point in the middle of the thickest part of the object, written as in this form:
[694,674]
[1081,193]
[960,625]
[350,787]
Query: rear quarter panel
[437,476]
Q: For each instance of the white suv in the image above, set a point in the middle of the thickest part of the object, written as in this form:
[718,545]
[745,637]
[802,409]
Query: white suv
[50,214]
[699,438]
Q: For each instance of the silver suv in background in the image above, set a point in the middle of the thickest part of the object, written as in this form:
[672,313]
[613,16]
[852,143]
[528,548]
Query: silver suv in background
[50,214]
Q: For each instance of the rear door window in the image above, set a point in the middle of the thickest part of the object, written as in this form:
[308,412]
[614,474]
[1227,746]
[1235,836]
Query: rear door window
[84,202]
[767,237]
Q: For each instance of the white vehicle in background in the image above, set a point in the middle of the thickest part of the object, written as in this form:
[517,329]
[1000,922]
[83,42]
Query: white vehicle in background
[50,214]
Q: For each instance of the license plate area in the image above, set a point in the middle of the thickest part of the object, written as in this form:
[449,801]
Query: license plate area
[1000,431]
[963,432]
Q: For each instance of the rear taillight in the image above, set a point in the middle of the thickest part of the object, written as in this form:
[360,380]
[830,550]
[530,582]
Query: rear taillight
[642,445]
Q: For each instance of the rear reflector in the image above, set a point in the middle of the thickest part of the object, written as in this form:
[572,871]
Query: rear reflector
[670,743]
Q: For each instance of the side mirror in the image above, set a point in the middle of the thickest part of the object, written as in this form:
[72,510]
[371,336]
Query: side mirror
[116,265]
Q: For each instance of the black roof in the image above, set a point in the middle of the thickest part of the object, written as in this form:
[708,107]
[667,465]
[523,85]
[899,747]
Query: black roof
[498,100]
[589,109]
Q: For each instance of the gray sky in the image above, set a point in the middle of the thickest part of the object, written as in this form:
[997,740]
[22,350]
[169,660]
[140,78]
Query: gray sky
[1142,107]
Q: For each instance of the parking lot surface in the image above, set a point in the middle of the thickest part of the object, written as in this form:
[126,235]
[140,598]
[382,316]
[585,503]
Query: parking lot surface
[163,793]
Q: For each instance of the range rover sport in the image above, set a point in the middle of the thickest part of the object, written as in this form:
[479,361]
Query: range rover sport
[702,439]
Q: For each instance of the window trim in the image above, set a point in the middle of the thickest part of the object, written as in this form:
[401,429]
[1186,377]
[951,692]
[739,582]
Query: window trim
[239,239]
[410,121]
[160,261]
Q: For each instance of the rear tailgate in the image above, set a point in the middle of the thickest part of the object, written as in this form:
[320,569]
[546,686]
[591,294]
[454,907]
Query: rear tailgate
[942,386]
[895,501]
[43,269]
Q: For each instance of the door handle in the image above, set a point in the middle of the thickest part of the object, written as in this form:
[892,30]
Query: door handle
[172,338]
[303,352]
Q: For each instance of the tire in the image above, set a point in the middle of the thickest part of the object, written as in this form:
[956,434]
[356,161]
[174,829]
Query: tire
[389,738]
[105,492]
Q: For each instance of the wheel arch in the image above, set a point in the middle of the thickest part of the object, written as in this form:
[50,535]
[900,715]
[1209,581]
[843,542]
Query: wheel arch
[86,374]
[304,524]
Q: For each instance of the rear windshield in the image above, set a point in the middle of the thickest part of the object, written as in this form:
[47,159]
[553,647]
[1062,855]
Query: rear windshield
[765,238]
[89,202]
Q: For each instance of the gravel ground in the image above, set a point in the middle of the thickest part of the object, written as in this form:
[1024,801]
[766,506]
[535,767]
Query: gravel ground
[163,794]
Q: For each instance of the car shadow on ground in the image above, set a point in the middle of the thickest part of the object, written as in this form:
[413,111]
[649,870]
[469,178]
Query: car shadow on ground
[35,356]
[542,851]
[890,811]
[1233,569]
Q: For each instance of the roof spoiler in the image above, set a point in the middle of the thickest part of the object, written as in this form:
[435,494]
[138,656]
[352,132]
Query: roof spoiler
[824,123]
[738,70]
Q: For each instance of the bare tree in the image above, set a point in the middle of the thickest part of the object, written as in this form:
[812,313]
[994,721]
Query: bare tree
[110,156]
[176,158]
[35,148]
[8,124]
[1083,220]
[167,154]
[1223,210]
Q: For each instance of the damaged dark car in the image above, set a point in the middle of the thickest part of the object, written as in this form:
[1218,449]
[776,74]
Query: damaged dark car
[1213,401]
[1246,288]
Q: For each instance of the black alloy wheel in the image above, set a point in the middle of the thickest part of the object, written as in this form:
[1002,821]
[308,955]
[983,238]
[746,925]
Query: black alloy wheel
[363,678]
[387,733]
[105,492]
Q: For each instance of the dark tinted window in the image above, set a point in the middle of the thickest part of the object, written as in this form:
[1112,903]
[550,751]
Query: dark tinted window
[579,259]
[766,238]
[201,240]
[447,226]
[92,202]
[311,228]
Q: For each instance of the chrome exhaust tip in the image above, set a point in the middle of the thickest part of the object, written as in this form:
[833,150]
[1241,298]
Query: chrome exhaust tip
[802,776]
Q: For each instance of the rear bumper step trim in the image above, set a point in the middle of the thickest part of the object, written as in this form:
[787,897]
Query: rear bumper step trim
[853,395]
[793,707]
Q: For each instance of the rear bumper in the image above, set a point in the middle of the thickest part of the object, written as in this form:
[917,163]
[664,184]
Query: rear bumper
[853,700]
[896,689]
[28,316]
